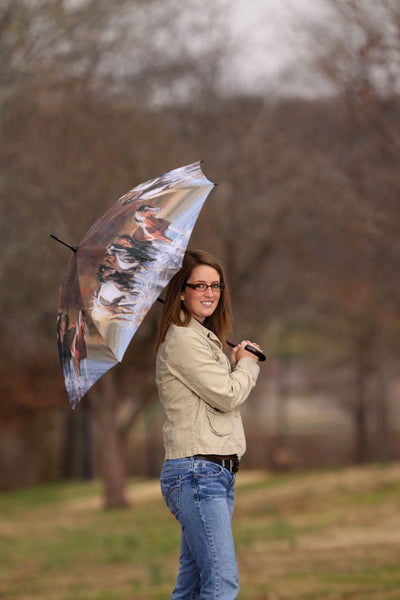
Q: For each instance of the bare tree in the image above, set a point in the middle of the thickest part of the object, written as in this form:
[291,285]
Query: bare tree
[80,87]
[358,52]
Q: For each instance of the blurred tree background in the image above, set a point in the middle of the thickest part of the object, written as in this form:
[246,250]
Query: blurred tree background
[96,97]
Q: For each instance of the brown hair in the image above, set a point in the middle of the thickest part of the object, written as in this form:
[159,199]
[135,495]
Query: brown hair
[174,311]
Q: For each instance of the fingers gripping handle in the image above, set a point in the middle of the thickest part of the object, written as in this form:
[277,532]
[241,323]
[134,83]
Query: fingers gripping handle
[260,355]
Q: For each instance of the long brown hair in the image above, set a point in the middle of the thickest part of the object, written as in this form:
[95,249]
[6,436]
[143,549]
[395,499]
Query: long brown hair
[174,310]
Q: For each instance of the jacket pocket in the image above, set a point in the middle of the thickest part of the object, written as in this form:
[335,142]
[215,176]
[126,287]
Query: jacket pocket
[220,423]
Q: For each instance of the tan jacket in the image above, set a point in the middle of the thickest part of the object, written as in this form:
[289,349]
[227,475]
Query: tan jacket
[200,393]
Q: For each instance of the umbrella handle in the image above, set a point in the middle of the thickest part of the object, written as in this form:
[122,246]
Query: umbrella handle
[260,355]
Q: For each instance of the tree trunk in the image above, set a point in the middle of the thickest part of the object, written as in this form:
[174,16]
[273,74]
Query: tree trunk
[87,467]
[360,415]
[360,411]
[153,466]
[68,462]
[76,460]
[382,419]
[281,457]
[113,463]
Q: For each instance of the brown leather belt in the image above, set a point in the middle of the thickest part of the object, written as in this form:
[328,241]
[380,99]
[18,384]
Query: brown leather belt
[230,462]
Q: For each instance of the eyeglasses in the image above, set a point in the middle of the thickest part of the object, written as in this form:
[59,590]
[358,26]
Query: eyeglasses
[202,287]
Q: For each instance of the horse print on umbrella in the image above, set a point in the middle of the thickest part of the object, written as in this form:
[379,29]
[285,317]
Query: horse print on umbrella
[118,288]
[125,257]
[71,342]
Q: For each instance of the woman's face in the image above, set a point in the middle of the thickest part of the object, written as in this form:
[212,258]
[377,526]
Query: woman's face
[202,304]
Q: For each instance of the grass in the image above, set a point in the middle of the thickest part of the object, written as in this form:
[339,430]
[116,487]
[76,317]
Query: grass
[303,536]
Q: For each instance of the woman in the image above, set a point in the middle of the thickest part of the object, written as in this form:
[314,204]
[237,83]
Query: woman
[201,390]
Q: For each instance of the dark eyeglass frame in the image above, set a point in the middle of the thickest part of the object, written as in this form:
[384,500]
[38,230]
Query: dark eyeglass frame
[202,287]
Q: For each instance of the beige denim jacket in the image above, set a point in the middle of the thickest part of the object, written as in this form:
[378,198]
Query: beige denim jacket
[201,394]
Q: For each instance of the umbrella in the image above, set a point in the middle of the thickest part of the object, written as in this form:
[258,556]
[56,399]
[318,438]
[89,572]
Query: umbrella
[119,269]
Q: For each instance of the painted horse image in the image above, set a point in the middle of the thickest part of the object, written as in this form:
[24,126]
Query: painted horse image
[124,258]
[71,337]
[149,226]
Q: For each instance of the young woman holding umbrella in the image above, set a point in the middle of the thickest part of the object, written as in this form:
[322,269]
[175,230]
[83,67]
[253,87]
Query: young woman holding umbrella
[201,391]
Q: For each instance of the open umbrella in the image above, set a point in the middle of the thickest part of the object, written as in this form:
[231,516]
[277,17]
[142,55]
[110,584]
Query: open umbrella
[119,269]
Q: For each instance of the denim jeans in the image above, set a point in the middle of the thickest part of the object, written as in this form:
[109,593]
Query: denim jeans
[200,495]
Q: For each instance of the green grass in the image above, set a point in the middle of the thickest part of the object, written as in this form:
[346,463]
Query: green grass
[321,535]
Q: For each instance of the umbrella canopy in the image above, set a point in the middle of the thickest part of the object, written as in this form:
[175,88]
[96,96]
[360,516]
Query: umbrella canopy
[119,269]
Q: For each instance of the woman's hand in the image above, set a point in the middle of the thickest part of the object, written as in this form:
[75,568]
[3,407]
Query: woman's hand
[239,352]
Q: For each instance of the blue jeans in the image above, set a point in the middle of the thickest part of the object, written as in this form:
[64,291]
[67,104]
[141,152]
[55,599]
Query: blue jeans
[200,495]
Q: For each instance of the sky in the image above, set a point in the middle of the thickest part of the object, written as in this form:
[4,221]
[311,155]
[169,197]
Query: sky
[271,37]
[265,39]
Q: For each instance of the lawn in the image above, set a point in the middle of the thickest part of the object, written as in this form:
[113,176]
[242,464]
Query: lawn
[306,536]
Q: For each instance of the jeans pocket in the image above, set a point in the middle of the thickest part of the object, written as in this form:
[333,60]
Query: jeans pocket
[171,493]
[207,469]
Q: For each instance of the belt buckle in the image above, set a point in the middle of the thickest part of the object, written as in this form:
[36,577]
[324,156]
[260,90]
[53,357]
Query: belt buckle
[231,465]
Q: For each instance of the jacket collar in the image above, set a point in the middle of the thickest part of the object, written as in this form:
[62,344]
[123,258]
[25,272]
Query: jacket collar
[197,326]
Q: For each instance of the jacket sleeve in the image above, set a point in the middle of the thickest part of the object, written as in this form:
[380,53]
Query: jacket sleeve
[191,360]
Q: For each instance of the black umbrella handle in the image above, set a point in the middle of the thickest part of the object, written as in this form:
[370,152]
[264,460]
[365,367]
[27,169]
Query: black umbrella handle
[260,355]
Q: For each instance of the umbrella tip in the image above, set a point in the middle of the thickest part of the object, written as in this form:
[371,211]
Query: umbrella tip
[73,248]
